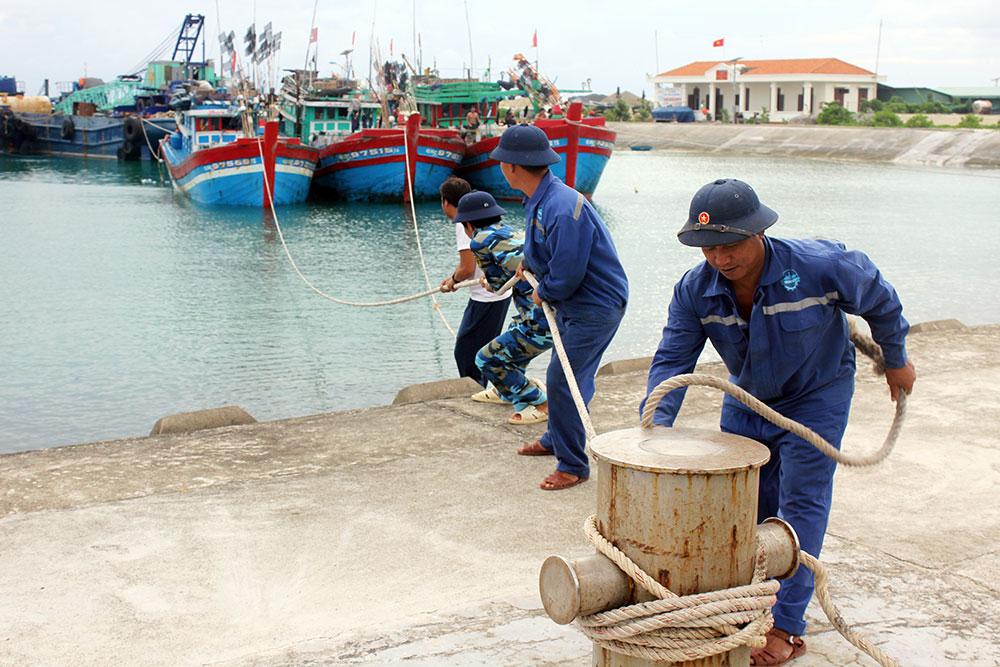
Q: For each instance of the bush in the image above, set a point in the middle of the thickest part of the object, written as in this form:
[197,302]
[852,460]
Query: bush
[870,105]
[620,112]
[834,114]
[970,121]
[885,118]
[919,120]
[643,113]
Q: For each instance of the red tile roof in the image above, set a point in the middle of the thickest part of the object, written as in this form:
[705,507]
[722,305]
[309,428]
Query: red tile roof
[765,67]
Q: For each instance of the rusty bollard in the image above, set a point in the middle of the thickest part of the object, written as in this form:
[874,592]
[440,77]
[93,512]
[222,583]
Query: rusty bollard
[682,504]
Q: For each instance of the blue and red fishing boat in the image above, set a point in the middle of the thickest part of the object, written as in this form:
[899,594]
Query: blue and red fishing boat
[584,144]
[390,163]
[211,160]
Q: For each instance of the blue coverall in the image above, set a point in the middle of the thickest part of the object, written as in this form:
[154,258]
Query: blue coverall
[796,356]
[571,253]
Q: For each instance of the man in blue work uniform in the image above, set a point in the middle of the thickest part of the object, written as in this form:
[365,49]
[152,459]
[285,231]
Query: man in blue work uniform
[570,252]
[774,310]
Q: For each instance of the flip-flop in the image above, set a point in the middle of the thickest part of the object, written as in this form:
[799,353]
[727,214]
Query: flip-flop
[560,480]
[489,395]
[534,449]
[530,415]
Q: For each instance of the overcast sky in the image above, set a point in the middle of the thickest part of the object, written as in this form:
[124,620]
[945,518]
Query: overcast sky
[923,42]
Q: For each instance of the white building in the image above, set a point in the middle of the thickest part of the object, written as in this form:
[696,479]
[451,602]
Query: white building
[783,88]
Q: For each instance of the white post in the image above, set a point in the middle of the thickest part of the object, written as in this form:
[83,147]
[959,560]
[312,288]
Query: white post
[806,97]
[711,101]
[773,107]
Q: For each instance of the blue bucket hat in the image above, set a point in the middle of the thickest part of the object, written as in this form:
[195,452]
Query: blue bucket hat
[524,145]
[725,211]
[477,205]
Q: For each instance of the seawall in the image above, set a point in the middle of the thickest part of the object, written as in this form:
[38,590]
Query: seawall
[928,147]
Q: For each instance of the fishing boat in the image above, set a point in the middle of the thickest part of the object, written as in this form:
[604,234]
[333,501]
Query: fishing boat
[391,164]
[212,160]
[583,144]
[320,111]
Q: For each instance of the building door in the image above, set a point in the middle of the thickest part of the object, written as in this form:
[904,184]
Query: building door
[693,98]
[838,95]
[718,104]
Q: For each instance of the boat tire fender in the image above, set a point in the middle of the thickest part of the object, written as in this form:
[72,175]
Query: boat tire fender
[132,129]
[68,129]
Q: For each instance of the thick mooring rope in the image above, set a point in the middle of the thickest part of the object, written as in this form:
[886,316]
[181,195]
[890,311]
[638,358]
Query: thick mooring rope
[681,628]
[657,630]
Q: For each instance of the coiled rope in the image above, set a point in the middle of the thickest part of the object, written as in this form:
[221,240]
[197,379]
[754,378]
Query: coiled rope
[691,627]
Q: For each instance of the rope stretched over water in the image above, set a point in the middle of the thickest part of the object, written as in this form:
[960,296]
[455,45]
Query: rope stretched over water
[362,304]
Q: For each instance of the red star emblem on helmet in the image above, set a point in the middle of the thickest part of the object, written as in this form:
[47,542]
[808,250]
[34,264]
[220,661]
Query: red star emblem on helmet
[703,218]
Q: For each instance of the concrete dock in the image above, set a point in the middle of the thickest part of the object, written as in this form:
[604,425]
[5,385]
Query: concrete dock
[413,533]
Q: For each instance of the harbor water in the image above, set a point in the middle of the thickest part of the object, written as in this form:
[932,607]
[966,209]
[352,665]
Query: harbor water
[122,303]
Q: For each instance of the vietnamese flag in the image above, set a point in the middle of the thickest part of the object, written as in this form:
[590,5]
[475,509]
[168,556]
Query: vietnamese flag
[718,42]
[534,39]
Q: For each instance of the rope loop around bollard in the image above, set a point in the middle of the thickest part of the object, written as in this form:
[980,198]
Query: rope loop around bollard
[681,628]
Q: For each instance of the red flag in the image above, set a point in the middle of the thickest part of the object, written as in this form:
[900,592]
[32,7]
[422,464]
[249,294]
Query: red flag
[314,36]
[718,42]
[534,40]
[232,69]
[390,48]
[352,37]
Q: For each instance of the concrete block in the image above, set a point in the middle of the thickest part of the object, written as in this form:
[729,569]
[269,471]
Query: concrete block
[936,325]
[185,422]
[625,366]
[432,391]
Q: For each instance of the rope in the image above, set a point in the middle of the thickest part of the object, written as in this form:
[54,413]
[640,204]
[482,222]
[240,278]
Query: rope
[416,232]
[574,389]
[281,237]
[864,343]
[681,628]
[832,613]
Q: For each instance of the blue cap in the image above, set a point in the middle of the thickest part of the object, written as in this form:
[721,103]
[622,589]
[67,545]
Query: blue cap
[477,205]
[525,145]
[725,211]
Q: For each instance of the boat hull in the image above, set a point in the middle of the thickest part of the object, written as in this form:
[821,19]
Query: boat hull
[91,136]
[583,148]
[234,174]
[373,164]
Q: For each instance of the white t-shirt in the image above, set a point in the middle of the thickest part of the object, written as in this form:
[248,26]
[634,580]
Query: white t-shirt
[476,292]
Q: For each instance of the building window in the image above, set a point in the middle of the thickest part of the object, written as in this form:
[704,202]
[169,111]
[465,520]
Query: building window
[781,101]
[838,95]
[862,94]
[800,103]
[746,99]
[693,98]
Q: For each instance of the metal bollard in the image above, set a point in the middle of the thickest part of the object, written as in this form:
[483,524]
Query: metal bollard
[682,504]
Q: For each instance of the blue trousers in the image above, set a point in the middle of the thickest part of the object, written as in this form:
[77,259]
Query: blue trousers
[481,323]
[796,485]
[585,342]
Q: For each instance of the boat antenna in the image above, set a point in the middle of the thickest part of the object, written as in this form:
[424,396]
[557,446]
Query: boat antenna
[468,26]
[312,26]
[371,42]
[878,47]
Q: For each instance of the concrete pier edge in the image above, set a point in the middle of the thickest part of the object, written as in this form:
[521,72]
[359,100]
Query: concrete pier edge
[413,533]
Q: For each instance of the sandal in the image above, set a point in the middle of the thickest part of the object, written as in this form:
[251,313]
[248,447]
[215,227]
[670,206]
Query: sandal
[530,415]
[560,480]
[489,395]
[538,383]
[776,651]
[534,449]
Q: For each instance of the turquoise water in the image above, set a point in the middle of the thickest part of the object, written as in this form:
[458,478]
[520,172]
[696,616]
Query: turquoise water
[122,303]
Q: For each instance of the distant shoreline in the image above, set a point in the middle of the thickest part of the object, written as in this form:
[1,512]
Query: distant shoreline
[944,147]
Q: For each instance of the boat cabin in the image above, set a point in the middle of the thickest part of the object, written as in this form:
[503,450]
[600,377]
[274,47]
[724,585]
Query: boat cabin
[447,104]
[208,126]
[319,122]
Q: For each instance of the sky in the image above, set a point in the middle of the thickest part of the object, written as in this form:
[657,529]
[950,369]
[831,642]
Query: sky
[611,45]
